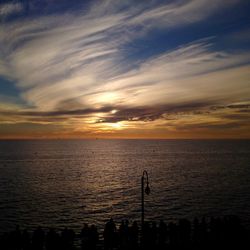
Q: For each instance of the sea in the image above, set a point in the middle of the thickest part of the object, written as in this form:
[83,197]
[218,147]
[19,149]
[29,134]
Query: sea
[66,183]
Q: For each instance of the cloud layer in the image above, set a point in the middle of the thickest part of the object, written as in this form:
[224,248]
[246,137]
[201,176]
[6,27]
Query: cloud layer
[72,69]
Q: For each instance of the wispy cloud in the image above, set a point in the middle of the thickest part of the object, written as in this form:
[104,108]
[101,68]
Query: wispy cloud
[75,65]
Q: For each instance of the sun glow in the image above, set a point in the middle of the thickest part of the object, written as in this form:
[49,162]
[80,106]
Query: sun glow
[112,126]
[116,125]
[113,111]
[108,97]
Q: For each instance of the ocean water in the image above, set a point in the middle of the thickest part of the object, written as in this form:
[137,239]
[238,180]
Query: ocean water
[58,183]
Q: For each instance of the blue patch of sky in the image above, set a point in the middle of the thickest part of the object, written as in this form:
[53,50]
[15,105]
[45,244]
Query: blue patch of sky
[8,88]
[220,27]
[47,7]
[9,93]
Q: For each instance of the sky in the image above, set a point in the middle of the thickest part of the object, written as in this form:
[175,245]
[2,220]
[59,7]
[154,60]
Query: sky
[125,69]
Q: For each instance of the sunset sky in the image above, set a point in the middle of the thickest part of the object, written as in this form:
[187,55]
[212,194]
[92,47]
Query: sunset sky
[125,69]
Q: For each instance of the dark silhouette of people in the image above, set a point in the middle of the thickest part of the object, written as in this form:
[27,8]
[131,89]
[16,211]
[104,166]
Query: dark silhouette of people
[134,235]
[85,236]
[109,235]
[16,238]
[67,239]
[52,240]
[163,234]
[38,239]
[89,237]
[26,240]
[223,233]
[184,229]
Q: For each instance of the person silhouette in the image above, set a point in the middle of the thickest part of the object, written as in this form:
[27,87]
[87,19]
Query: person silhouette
[133,235]
[52,240]
[26,240]
[16,238]
[109,234]
[38,239]
[93,237]
[162,234]
[85,236]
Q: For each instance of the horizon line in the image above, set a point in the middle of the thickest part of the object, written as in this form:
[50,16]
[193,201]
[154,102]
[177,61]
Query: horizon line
[120,138]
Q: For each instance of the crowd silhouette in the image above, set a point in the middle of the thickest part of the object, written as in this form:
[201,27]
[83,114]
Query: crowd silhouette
[212,233]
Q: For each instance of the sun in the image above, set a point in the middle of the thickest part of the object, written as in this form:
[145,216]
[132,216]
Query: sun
[113,111]
[116,125]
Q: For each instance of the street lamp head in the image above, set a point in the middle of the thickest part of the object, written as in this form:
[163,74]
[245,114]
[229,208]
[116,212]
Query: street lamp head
[147,190]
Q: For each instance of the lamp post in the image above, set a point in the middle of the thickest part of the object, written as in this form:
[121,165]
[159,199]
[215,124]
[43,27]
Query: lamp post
[146,190]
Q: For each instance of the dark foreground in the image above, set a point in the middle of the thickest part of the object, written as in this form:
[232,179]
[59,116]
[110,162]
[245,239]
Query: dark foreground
[213,233]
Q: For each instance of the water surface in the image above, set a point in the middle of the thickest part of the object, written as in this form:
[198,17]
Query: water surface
[57,183]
